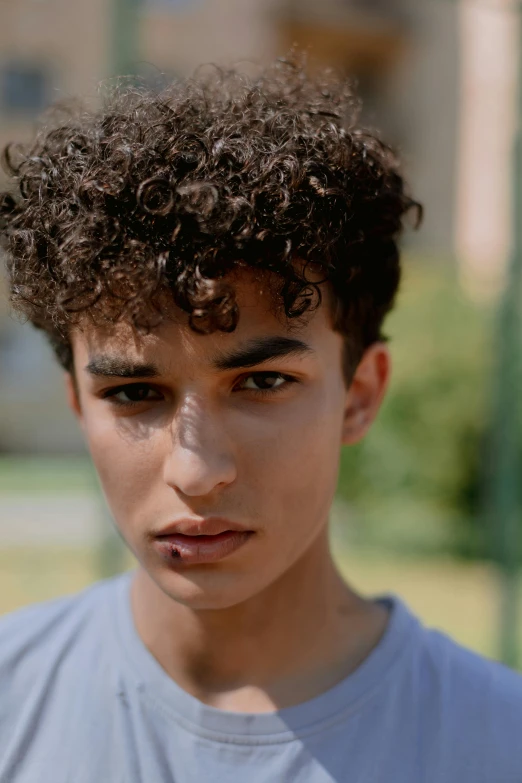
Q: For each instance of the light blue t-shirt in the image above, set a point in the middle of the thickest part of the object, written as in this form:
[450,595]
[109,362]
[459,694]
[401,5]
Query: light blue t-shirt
[83,701]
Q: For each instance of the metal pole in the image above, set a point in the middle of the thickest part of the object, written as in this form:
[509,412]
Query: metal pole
[125,37]
[110,551]
[506,475]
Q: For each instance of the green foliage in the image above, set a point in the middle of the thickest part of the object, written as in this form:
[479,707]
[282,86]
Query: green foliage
[415,482]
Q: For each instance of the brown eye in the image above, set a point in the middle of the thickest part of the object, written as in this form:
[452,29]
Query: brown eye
[136,393]
[133,393]
[264,381]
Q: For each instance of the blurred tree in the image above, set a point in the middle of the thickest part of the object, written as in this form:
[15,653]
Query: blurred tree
[415,482]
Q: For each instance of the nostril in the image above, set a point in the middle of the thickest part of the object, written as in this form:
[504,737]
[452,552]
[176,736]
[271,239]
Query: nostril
[198,473]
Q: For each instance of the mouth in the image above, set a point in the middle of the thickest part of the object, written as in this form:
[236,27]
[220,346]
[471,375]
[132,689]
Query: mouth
[196,542]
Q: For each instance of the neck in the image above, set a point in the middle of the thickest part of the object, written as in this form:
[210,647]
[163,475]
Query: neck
[284,646]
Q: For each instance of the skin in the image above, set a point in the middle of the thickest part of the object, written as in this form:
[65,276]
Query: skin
[273,624]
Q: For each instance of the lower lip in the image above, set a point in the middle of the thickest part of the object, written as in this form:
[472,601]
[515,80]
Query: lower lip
[196,550]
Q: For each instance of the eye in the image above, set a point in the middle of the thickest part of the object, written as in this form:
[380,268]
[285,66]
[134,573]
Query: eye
[264,382]
[132,393]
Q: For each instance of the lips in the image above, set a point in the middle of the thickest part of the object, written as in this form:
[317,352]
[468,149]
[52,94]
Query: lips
[211,526]
[197,542]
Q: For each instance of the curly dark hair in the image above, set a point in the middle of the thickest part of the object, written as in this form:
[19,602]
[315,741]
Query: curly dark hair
[169,191]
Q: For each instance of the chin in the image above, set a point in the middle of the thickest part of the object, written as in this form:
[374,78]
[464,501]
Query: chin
[210,593]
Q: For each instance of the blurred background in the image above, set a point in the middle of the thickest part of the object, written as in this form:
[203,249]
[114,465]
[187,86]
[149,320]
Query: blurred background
[429,505]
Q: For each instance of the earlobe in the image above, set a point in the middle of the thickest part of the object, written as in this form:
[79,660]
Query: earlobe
[72,396]
[366,393]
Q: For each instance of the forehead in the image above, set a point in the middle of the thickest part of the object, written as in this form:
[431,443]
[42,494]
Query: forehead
[259,317]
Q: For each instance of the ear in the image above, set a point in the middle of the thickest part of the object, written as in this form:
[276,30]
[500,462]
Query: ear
[73,398]
[366,392]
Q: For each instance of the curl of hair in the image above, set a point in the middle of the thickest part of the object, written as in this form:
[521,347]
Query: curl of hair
[171,191]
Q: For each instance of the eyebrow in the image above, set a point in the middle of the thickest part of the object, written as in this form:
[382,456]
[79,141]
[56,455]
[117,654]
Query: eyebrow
[261,350]
[115,367]
[254,352]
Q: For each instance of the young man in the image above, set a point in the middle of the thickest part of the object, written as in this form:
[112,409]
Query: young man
[212,266]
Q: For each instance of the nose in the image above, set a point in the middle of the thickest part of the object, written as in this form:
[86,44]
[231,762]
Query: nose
[201,458]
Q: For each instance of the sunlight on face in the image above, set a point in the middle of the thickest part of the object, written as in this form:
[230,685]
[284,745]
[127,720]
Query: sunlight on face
[245,426]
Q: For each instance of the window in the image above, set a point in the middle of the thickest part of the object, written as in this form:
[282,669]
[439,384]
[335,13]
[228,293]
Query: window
[24,88]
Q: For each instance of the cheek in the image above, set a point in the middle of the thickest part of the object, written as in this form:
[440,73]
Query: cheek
[305,432]
[292,460]
[127,461]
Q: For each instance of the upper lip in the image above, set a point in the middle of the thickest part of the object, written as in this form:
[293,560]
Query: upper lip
[191,526]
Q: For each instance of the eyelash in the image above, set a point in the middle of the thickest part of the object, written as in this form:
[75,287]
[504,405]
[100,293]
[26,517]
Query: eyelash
[288,379]
[110,394]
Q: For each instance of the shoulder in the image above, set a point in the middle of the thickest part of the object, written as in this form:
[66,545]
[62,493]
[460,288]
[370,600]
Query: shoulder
[40,641]
[470,676]
[35,628]
[479,701]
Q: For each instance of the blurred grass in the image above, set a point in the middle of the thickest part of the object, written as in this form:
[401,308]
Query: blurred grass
[460,599]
